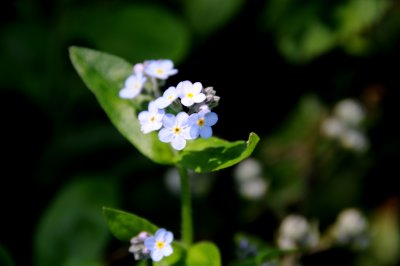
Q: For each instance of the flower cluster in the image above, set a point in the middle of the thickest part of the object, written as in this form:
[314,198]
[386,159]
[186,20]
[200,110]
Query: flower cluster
[165,112]
[345,125]
[295,231]
[156,247]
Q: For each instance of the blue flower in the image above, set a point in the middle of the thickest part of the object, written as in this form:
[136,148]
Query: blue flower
[200,124]
[159,245]
[175,130]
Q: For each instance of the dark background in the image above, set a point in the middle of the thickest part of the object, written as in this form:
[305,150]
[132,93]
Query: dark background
[54,130]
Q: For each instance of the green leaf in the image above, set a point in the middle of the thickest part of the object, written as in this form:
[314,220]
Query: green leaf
[203,254]
[73,228]
[124,225]
[104,74]
[212,154]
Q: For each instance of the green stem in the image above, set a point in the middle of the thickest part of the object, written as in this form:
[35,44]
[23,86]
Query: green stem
[186,208]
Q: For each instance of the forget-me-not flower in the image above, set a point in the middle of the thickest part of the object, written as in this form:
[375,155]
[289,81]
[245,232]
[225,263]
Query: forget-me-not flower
[168,97]
[200,124]
[175,130]
[160,69]
[190,93]
[151,120]
[160,244]
[133,86]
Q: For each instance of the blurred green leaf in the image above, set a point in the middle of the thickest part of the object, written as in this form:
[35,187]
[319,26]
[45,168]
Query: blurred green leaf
[304,31]
[217,12]
[212,154]
[5,257]
[136,32]
[124,225]
[73,228]
[385,234]
[203,254]
[104,74]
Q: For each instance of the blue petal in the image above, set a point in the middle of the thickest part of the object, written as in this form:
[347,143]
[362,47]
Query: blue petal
[211,119]
[205,132]
[178,143]
[165,135]
[169,120]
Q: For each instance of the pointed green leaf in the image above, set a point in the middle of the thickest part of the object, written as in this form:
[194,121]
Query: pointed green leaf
[212,154]
[203,254]
[104,74]
[124,225]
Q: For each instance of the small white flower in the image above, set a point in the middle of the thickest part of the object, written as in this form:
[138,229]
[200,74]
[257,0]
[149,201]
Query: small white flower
[254,188]
[168,97]
[247,169]
[351,227]
[349,111]
[160,69]
[332,127]
[190,93]
[295,231]
[151,120]
[354,139]
[133,86]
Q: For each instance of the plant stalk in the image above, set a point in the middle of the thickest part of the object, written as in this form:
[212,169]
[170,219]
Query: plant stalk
[186,208]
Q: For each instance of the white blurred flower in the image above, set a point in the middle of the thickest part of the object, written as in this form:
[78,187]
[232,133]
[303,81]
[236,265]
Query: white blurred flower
[247,168]
[354,139]
[254,188]
[351,227]
[332,127]
[250,182]
[344,125]
[296,232]
[349,111]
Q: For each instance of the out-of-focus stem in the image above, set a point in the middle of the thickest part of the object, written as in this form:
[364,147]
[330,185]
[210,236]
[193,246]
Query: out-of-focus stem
[186,208]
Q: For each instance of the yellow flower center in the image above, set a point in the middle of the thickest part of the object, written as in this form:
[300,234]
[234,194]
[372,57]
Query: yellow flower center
[160,71]
[189,95]
[152,119]
[200,122]
[176,130]
[159,244]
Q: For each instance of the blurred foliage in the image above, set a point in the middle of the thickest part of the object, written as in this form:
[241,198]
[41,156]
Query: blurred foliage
[58,139]
[72,231]
[306,31]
